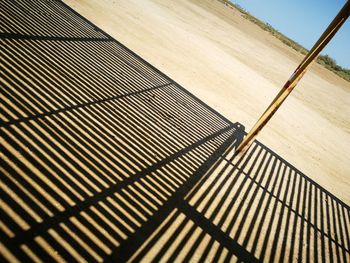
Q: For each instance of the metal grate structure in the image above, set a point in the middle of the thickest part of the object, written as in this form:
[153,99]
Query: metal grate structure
[104,158]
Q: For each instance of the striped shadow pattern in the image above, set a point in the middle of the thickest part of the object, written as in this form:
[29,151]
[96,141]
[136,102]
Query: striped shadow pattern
[103,158]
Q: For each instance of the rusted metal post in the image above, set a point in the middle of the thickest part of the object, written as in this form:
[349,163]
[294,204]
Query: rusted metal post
[295,77]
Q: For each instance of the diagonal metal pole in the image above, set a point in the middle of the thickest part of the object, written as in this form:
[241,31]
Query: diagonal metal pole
[333,27]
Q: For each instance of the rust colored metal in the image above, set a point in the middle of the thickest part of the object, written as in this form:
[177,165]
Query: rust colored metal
[288,87]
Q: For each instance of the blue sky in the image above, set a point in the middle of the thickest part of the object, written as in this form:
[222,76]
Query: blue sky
[304,21]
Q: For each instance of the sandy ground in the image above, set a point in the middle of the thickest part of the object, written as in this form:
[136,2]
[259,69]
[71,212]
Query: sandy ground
[237,68]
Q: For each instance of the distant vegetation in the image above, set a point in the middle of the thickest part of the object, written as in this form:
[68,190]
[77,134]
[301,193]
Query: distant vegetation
[324,60]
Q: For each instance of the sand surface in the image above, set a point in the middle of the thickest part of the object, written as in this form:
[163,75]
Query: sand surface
[236,68]
[104,158]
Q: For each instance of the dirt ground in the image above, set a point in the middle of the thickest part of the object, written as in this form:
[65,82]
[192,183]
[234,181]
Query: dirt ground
[236,68]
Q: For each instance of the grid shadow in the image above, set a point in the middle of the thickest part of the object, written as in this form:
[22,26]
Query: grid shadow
[104,158]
